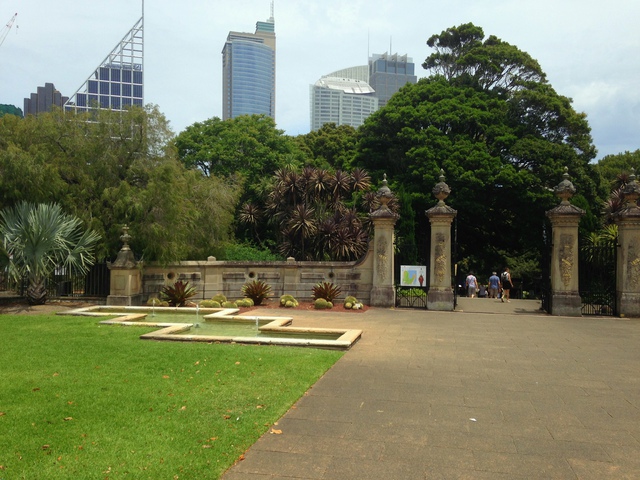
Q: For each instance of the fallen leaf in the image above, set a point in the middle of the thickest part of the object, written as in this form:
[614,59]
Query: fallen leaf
[259,406]
[46,447]
[184,407]
[70,403]
[2,414]
[237,363]
[241,457]
[276,432]
[35,389]
[56,374]
[66,419]
[165,376]
[197,363]
[226,417]
[60,458]
[206,446]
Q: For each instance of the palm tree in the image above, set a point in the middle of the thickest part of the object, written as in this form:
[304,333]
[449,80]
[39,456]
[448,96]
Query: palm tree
[41,238]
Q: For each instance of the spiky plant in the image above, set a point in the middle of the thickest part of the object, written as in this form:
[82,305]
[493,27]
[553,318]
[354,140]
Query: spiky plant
[256,290]
[325,290]
[178,293]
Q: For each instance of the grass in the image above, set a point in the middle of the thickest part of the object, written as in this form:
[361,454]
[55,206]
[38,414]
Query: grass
[82,400]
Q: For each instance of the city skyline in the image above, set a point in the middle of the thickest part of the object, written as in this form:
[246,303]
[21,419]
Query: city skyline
[572,40]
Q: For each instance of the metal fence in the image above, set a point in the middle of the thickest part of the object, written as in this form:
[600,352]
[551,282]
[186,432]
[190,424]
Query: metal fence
[95,283]
[597,273]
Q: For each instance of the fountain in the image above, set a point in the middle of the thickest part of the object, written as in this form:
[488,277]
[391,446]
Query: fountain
[153,309]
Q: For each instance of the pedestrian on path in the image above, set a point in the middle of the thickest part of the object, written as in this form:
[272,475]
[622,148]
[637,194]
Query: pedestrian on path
[472,284]
[506,284]
[494,285]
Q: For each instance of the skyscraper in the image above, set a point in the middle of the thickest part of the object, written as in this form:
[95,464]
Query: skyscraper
[389,73]
[350,95]
[43,100]
[343,101]
[117,82]
[249,72]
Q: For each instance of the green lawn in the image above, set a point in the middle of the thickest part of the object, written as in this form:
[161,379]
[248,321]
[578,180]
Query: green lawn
[82,400]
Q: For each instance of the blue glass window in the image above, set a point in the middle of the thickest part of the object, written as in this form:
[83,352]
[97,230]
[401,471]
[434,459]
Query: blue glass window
[115,103]
[126,90]
[137,77]
[104,88]
[126,76]
[137,101]
[137,91]
[93,86]
[115,89]
[115,75]
[81,99]
[104,73]
[126,102]
[104,101]
[93,99]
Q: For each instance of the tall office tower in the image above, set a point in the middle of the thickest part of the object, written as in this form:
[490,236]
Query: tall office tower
[389,73]
[343,101]
[117,83]
[43,100]
[249,72]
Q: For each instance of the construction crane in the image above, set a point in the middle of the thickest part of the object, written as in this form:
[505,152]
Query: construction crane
[5,30]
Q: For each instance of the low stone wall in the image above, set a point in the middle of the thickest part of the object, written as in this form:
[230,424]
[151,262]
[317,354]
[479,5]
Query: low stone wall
[289,277]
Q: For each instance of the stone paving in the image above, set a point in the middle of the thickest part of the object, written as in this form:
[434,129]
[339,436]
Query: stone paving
[494,391]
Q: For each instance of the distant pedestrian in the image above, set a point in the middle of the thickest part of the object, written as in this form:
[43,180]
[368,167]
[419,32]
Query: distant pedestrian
[472,284]
[506,284]
[494,285]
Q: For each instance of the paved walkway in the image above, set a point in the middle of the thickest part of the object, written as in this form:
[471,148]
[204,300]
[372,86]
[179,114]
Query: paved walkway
[465,395]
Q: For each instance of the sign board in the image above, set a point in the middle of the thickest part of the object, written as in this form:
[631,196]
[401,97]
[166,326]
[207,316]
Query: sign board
[413,276]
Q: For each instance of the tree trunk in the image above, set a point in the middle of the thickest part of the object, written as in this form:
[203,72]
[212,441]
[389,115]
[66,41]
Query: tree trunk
[36,292]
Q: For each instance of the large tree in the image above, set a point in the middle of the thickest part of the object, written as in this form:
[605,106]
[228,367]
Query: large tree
[115,168]
[503,136]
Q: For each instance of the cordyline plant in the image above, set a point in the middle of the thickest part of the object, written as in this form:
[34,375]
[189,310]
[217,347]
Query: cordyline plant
[326,290]
[177,294]
[256,290]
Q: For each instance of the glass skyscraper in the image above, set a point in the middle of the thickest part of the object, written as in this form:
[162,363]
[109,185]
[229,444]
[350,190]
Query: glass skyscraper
[389,73]
[249,72]
[117,83]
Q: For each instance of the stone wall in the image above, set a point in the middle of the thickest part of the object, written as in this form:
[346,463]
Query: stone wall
[289,277]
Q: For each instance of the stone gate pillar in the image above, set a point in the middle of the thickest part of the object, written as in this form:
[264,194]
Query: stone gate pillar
[565,295]
[126,278]
[440,296]
[383,293]
[628,258]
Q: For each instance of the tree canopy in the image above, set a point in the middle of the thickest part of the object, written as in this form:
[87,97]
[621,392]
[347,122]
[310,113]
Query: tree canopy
[503,136]
[115,168]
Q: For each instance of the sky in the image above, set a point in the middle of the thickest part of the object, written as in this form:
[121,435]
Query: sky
[590,50]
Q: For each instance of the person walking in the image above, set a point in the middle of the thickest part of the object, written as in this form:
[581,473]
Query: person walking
[472,285]
[506,284]
[494,285]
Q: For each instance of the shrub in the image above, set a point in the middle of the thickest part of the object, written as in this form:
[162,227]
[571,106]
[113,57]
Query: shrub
[350,302]
[326,290]
[256,290]
[220,298]
[210,304]
[243,252]
[158,302]
[229,305]
[178,293]
[322,304]
[288,301]
[244,302]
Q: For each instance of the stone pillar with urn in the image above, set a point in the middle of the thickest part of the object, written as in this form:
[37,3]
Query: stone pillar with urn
[440,296]
[565,295]
[383,293]
[628,258]
[126,277]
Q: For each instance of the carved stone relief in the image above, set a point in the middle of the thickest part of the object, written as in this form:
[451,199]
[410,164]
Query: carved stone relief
[565,258]
[633,266]
[382,259]
[441,258]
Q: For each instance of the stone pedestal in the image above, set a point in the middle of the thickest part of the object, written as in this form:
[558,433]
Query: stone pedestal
[565,295]
[440,296]
[126,278]
[628,266]
[383,293]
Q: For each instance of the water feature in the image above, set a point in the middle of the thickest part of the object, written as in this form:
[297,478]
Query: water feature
[220,325]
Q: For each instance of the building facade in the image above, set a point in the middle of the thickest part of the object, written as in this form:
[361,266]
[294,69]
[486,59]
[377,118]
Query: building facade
[343,101]
[118,82]
[249,72]
[350,95]
[43,100]
[389,73]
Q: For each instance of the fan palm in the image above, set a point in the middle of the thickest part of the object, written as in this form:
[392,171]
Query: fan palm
[41,238]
